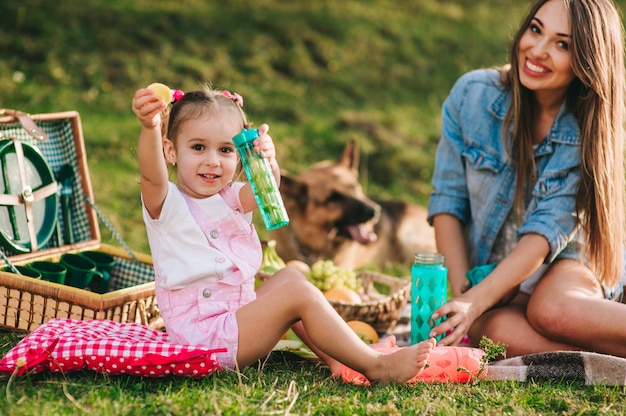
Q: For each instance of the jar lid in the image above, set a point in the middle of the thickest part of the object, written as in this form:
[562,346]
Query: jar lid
[245,136]
[429,258]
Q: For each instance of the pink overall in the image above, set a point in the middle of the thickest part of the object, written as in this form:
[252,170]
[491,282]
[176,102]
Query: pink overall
[204,314]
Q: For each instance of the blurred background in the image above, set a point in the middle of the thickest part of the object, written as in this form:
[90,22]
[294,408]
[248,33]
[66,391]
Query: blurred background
[318,72]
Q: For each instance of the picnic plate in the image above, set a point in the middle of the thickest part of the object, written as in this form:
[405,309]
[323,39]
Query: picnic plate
[14,234]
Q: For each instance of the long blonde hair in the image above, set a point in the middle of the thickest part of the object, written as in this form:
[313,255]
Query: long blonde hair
[596,99]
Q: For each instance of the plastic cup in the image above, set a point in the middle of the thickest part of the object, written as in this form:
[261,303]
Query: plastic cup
[51,272]
[25,271]
[104,264]
[80,270]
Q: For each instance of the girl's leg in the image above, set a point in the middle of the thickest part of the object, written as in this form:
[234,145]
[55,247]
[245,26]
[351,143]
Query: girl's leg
[268,286]
[289,299]
[568,306]
[298,328]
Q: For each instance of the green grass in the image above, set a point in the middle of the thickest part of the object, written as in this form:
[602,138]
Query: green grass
[320,73]
[283,385]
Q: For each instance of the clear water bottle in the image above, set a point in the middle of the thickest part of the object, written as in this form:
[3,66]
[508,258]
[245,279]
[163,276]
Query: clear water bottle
[429,290]
[262,180]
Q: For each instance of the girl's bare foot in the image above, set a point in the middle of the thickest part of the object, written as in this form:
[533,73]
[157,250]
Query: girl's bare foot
[402,364]
[386,342]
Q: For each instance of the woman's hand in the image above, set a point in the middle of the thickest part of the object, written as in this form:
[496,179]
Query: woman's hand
[460,313]
[148,107]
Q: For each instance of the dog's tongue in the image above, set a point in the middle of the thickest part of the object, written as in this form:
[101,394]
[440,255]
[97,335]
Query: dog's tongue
[362,235]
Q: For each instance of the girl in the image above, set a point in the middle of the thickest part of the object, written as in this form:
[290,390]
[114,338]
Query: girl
[529,176]
[206,252]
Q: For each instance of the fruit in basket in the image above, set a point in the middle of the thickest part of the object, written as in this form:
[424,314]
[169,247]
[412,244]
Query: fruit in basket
[299,265]
[343,294]
[162,91]
[271,262]
[325,275]
[364,330]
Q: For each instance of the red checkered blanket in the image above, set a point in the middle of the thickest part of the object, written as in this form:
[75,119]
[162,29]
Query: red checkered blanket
[64,345]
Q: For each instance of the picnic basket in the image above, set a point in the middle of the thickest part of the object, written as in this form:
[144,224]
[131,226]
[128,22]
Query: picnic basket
[388,296]
[383,310]
[47,209]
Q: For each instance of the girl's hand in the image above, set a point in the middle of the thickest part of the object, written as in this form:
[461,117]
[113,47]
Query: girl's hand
[148,107]
[264,144]
[460,315]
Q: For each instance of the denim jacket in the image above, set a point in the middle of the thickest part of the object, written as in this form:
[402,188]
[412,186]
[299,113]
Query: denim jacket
[474,178]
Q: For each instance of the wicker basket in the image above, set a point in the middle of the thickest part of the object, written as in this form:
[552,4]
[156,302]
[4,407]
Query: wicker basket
[26,303]
[383,311]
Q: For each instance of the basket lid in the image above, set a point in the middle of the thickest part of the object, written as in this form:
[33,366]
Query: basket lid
[71,202]
[28,218]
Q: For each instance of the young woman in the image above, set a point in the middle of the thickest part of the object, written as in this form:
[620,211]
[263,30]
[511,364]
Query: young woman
[529,176]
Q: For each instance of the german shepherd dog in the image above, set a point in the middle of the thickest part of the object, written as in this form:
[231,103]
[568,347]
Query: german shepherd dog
[331,218]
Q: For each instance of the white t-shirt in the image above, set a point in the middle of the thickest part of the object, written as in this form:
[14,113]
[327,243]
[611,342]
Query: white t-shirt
[180,251]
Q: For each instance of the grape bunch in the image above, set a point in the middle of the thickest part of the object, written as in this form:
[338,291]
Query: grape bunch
[326,275]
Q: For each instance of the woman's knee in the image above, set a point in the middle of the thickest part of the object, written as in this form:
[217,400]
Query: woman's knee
[554,307]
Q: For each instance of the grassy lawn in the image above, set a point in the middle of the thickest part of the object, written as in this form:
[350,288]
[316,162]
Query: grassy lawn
[320,73]
[285,385]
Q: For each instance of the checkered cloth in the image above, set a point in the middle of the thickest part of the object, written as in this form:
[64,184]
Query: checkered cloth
[64,345]
[586,367]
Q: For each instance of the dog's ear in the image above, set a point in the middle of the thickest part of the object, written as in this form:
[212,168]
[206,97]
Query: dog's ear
[350,157]
[292,188]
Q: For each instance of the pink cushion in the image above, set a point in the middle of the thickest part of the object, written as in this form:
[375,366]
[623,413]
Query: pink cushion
[446,364]
[64,345]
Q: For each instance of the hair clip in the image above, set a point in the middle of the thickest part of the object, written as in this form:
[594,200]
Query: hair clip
[238,99]
[177,95]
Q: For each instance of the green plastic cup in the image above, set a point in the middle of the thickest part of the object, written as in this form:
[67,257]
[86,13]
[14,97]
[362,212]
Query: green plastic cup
[104,264]
[80,270]
[51,272]
[25,271]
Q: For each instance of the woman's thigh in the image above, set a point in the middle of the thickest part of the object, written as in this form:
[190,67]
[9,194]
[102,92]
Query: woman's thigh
[563,300]
[565,281]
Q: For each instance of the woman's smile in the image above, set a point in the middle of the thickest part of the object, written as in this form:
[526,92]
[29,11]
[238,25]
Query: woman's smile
[535,68]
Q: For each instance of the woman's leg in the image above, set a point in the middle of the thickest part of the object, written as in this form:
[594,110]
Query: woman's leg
[568,306]
[566,311]
[289,299]
[508,325]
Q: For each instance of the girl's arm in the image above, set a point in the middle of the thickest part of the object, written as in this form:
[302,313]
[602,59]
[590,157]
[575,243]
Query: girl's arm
[265,146]
[152,166]
[461,311]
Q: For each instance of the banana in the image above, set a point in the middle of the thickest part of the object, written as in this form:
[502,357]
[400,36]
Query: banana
[271,261]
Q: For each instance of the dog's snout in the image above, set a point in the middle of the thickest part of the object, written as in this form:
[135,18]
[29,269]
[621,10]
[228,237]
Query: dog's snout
[364,211]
